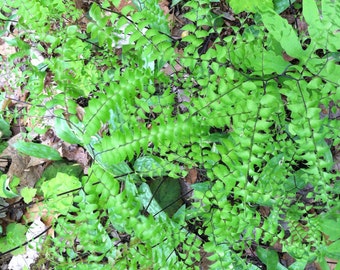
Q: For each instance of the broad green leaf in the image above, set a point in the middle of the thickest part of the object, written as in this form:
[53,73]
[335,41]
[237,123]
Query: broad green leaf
[64,131]
[284,34]
[323,264]
[28,194]
[297,265]
[95,13]
[333,250]
[282,5]
[8,186]
[3,146]
[149,166]
[5,131]
[250,5]
[148,202]
[167,192]
[323,23]
[330,227]
[180,215]
[269,257]
[37,150]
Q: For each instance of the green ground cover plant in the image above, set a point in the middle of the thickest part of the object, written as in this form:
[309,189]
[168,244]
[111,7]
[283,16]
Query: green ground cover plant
[243,105]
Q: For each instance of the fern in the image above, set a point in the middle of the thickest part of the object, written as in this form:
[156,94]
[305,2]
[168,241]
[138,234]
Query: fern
[250,122]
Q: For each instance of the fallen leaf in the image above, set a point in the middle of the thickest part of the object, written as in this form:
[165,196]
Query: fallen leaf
[287,260]
[6,49]
[20,165]
[170,70]
[75,153]
[205,263]
[191,177]
[264,211]
[124,3]
[164,5]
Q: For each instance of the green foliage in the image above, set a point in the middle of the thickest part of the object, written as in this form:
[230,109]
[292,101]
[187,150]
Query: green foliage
[28,194]
[250,122]
[8,186]
[5,129]
[269,258]
[15,234]
[281,5]
[166,192]
[37,150]
[53,192]
[254,6]
[249,5]
[324,24]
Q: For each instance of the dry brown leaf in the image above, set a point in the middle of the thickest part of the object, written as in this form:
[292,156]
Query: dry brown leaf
[170,70]
[78,3]
[124,3]
[287,260]
[6,49]
[264,211]
[80,112]
[19,167]
[312,266]
[191,177]
[302,26]
[50,139]
[205,263]
[332,263]
[277,246]
[336,157]
[39,211]
[164,5]
[75,153]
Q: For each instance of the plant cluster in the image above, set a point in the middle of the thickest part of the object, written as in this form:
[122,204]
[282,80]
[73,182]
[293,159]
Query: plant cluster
[243,105]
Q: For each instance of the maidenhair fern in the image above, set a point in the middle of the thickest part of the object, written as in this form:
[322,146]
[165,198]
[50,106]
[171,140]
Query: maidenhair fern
[250,122]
